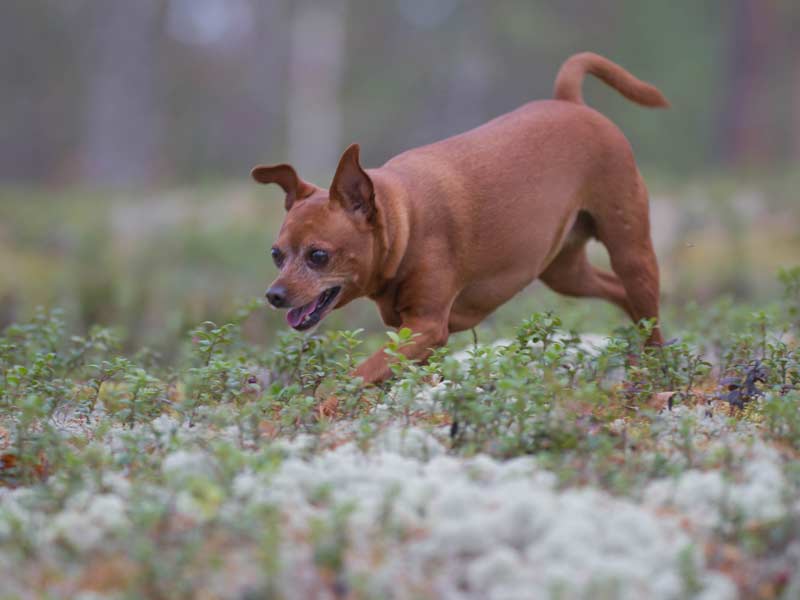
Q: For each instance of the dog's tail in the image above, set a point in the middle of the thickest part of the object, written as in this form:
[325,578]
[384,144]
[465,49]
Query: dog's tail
[570,77]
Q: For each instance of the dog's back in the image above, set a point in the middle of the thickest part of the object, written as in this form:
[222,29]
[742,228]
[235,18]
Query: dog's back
[530,170]
[533,183]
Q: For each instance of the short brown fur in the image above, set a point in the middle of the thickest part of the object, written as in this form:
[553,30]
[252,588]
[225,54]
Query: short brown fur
[442,235]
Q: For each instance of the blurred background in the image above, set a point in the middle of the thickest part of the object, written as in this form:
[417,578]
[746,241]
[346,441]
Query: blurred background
[128,129]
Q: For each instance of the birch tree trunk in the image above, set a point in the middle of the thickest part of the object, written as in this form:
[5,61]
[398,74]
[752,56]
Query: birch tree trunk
[121,143]
[316,69]
[267,58]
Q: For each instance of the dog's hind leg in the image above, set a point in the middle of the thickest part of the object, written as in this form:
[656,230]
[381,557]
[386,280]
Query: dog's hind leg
[572,274]
[625,232]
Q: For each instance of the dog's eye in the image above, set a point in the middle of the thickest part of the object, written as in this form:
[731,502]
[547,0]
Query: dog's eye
[318,258]
[277,256]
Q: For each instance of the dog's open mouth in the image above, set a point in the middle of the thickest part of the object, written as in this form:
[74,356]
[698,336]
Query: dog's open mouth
[306,316]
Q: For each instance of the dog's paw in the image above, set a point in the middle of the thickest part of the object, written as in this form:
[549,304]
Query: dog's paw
[328,408]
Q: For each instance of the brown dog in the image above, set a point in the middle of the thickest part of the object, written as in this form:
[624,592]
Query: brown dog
[442,235]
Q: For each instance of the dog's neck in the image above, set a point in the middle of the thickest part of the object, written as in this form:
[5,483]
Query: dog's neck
[392,227]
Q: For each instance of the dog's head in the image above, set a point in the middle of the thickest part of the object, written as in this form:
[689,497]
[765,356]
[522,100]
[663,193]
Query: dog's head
[326,247]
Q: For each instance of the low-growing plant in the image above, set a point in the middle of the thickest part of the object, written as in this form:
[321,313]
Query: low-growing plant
[790,279]
[79,417]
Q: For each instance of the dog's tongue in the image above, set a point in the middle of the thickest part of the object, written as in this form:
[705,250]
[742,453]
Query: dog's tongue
[295,316]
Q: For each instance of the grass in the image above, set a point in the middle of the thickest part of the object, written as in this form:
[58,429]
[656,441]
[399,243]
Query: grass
[123,476]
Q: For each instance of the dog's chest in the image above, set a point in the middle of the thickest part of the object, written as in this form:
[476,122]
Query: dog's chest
[387,309]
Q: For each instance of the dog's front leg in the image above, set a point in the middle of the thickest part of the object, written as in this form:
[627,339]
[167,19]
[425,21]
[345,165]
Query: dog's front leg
[429,334]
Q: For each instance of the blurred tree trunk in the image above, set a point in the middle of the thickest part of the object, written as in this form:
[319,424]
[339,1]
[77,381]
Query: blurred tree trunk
[744,137]
[317,54]
[470,73]
[122,124]
[794,66]
[264,128]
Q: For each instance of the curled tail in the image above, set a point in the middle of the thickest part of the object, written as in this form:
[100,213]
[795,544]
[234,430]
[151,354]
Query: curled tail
[570,77]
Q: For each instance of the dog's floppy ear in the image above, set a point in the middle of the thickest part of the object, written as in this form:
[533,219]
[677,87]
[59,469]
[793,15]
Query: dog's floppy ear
[286,177]
[352,187]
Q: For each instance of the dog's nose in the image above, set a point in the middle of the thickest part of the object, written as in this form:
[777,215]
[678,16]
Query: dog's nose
[276,295]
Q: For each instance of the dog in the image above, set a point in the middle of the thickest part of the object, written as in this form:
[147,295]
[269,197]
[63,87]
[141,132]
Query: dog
[442,235]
